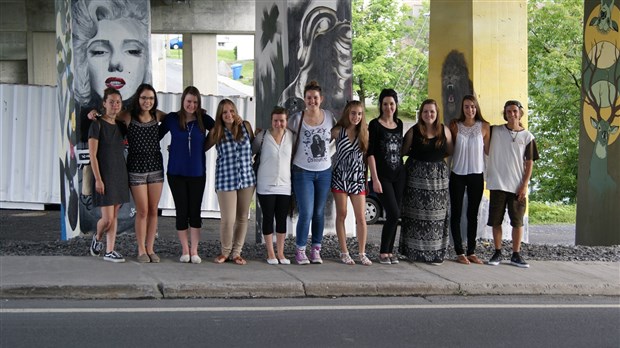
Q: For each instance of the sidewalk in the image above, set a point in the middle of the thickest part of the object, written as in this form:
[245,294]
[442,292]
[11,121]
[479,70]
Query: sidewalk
[66,277]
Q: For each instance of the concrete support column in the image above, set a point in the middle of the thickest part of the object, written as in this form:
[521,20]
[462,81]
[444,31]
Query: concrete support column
[480,48]
[42,59]
[598,191]
[296,42]
[200,62]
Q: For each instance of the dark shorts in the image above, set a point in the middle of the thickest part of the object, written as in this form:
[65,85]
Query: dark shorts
[136,179]
[499,201]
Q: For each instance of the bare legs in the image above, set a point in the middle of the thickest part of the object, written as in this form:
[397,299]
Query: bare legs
[146,198]
[108,223]
[358,202]
[517,236]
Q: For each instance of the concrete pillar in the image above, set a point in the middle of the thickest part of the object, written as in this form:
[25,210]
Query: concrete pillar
[42,59]
[598,191]
[200,62]
[480,48]
[296,42]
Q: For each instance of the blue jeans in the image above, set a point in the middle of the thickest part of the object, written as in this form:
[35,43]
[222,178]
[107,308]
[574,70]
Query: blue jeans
[311,190]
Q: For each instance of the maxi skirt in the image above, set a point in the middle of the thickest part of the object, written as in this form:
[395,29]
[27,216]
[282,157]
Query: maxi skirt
[425,214]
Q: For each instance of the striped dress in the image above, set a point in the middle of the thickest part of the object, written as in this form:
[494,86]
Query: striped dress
[348,173]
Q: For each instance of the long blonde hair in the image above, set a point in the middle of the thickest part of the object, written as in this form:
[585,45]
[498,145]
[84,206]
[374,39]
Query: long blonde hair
[361,129]
[218,129]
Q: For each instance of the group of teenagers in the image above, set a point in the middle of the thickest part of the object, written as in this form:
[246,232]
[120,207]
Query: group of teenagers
[425,193]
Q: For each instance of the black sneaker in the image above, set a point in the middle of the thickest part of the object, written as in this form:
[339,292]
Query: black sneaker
[517,260]
[438,261]
[113,256]
[95,246]
[496,258]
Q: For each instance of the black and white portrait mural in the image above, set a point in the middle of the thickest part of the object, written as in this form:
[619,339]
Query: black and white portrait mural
[111,48]
[455,83]
[298,41]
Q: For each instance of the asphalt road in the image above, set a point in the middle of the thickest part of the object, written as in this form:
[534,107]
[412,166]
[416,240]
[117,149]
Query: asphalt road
[311,322]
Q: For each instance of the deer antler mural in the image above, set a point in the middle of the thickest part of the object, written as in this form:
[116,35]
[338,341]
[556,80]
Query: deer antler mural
[599,95]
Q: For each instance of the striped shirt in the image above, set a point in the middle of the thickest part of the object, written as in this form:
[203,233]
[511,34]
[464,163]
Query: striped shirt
[348,174]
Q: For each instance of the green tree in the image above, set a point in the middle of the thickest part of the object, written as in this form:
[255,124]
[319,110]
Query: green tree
[555,34]
[390,50]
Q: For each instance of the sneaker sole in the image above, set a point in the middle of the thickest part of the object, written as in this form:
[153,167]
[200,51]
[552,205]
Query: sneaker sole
[492,263]
[519,265]
[114,260]
[92,253]
[303,262]
[316,262]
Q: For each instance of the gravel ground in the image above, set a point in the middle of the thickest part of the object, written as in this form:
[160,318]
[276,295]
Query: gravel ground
[37,233]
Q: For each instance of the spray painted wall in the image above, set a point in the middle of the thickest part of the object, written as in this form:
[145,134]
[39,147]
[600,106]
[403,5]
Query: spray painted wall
[598,195]
[298,41]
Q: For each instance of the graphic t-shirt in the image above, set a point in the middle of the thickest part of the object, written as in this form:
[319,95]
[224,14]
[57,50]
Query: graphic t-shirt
[313,147]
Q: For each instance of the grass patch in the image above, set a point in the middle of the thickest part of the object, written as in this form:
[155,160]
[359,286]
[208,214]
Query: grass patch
[541,213]
[174,54]
[226,55]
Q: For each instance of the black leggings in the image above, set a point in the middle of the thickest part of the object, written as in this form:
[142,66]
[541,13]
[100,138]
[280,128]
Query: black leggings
[475,186]
[391,199]
[187,193]
[274,205]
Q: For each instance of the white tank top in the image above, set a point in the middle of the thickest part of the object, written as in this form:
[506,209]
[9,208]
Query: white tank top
[468,157]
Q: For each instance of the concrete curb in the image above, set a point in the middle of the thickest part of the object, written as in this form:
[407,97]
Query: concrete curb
[65,277]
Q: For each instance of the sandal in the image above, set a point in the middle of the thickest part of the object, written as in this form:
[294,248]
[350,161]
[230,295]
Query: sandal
[346,259]
[474,259]
[462,259]
[239,260]
[365,260]
[220,259]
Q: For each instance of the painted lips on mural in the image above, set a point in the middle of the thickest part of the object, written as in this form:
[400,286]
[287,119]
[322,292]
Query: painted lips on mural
[115,82]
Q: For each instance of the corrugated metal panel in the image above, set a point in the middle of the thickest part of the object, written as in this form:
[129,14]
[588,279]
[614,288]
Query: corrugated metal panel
[172,102]
[29,145]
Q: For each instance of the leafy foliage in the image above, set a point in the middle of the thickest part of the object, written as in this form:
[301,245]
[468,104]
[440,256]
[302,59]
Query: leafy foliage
[555,34]
[390,50]
[554,213]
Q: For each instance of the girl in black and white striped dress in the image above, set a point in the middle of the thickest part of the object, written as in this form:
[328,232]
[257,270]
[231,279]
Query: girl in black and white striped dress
[349,176]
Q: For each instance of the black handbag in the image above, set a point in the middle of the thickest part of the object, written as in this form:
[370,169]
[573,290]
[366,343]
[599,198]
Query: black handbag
[256,162]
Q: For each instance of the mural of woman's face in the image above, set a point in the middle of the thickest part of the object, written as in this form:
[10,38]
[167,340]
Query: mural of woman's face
[116,56]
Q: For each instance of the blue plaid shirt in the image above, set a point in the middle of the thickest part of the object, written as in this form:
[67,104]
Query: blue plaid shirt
[233,169]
